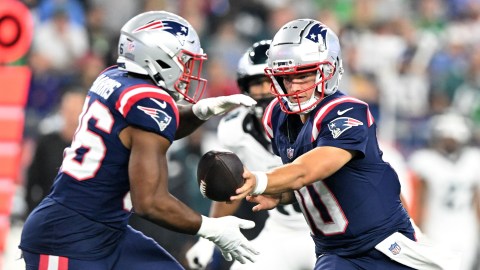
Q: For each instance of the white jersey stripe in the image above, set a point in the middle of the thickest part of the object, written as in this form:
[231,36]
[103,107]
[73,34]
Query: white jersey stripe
[267,118]
[129,94]
[53,262]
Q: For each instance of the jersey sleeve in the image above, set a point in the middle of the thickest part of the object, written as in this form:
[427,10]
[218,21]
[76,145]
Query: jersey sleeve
[343,124]
[271,112]
[150,109]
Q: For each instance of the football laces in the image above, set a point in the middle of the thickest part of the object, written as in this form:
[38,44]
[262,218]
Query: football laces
[203,188]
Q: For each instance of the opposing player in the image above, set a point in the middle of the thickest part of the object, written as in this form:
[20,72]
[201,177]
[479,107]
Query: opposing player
[284,242]
[131,115]
[333,167]
[449,197]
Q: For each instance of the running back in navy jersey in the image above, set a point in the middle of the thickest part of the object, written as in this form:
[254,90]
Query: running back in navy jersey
[93,180]
[358,206]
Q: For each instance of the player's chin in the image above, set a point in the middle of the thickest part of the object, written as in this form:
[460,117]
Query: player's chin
[298,101]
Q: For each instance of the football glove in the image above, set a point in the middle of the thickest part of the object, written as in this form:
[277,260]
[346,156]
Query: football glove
[225,233]
[200,254]
[208,107]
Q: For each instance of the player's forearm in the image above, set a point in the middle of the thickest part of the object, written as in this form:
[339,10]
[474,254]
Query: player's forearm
[285,179]
[315,165]
[172,214]
[189,122]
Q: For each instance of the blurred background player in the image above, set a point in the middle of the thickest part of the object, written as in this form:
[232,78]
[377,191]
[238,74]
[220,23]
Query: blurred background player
[56,135]
[448,193]
[130,117]
[284,243]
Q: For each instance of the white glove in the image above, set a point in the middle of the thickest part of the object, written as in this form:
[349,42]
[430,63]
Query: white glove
[200,254]
[225,233]
[208,107]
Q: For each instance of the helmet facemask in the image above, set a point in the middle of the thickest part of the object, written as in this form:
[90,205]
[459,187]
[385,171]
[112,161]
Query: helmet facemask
[190,84]
[324,71]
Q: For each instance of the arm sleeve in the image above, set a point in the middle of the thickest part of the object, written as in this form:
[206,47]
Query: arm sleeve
[158,114]
[347,130]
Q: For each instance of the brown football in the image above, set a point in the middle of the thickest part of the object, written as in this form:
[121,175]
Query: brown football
[219,174]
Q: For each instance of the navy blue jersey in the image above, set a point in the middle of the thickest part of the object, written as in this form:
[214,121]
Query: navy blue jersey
[359,205]
[84,216]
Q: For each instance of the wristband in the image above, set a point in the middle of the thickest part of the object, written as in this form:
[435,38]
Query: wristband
[261,183]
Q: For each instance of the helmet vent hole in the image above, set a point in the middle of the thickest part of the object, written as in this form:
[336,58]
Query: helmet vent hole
[162,64]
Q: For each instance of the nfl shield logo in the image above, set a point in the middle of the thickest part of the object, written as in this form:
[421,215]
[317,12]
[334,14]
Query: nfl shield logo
[130,46]
[395,248]
[290,152]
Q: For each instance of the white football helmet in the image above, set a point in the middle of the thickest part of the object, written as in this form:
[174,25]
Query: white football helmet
[451,125]
[302,46]
[252,64]
[251,71]
[165,47]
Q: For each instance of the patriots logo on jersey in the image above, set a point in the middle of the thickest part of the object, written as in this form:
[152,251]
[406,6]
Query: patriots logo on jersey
[177,29]
[338,125]
[162,118]
[317,34]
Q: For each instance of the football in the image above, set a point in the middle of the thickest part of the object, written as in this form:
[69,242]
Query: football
[219,174]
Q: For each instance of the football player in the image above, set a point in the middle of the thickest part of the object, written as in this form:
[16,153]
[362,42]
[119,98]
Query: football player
[333,167]
[448,194]
[284,242]
[130,117]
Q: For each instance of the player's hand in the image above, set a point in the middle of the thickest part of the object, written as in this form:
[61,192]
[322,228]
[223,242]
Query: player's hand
[248,186]
[225,233]
[200,254]
[208,107]
[264,202]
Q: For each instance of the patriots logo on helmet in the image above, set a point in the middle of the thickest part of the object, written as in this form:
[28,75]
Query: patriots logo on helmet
[318,34]
[162,118]
[338,125]
[175,28]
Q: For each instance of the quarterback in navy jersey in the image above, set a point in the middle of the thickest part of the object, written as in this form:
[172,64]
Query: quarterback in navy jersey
[131,115]
[333,166]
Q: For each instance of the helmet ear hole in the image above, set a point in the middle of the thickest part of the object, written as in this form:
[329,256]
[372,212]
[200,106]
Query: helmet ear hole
[163,65]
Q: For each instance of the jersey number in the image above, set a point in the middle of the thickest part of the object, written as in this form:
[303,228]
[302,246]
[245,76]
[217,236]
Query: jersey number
[83,158]
[322,210]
